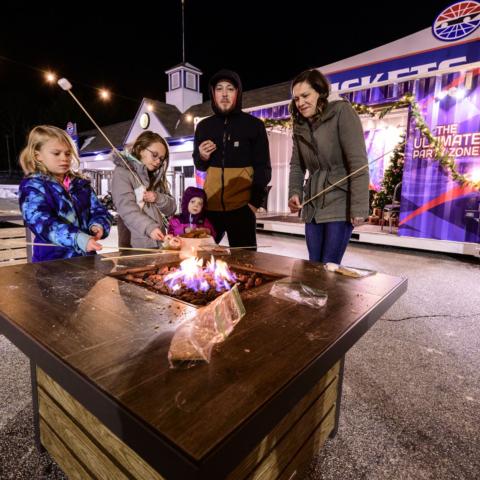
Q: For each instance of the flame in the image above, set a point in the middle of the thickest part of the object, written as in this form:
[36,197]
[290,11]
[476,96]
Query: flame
[195,276]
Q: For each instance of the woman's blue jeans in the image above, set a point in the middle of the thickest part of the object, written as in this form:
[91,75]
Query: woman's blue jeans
[327,242]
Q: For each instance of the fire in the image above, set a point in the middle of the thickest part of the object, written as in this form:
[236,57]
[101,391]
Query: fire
[192,274]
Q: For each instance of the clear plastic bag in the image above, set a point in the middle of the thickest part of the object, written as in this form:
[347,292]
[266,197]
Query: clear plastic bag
[298,292]
[349,271]
[194,339]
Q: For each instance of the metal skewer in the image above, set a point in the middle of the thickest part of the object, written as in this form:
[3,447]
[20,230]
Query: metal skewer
[212,251]
[67,86]
[156,250]
[206,248]
[325,190]
[106,259]
[221,250]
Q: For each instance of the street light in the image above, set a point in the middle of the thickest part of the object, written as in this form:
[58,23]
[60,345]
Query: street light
[50,77]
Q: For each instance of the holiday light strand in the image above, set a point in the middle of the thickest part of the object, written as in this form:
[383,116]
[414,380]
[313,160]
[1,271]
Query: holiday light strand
[407,100]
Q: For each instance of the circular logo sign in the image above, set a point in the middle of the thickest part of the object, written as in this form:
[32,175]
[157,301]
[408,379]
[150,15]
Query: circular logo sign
[144,120]
[457,21]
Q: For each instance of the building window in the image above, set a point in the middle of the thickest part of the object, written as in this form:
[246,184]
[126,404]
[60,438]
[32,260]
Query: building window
[188,171]
[190,81]
[175,80]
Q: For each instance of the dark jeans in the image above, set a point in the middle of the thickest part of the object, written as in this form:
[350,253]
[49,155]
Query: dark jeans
[327,242]
[239,225]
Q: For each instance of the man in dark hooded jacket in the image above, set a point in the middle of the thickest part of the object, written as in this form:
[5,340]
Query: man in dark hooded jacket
[232,147]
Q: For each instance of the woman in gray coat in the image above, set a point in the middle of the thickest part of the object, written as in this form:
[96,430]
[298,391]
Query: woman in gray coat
[328,143]
[140,191]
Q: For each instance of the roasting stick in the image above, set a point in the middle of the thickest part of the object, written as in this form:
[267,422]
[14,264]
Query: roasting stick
[104,259]
[157,250]
[154,251]
[226,247]
[67,86]
[199,249]
[325,190]
[104,246]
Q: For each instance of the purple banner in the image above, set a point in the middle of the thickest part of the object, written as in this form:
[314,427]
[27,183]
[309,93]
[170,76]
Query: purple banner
[433,205]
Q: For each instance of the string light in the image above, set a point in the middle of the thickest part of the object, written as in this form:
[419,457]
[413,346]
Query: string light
[149,107]
[189,118]
[475,175]
[50,77]
[441,156]
[104,94]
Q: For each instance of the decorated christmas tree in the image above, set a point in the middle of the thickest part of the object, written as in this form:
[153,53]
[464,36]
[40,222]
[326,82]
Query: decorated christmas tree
[391,177]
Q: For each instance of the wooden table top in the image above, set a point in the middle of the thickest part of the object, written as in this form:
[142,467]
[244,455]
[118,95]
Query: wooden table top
[106,341]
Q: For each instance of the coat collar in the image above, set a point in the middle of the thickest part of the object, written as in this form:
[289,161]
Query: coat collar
[75,180]
[138,167]
[303,129]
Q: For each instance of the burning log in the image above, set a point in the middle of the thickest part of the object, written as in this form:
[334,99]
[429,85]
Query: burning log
[195,283]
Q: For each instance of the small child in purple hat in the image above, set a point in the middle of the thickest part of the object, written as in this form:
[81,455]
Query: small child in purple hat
[194,202]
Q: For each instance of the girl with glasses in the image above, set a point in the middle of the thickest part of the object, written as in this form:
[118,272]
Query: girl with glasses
[141,193]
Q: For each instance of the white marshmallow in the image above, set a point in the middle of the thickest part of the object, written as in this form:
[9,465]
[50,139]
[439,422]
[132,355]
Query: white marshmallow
[65,84]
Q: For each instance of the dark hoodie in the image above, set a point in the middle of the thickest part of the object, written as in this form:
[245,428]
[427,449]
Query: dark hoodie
[239,170]
[234,79]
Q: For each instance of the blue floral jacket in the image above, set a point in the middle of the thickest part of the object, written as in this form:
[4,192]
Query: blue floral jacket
[59,217]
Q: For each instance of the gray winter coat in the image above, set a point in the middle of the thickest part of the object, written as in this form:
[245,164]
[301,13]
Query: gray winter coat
[329,149]
[140,222]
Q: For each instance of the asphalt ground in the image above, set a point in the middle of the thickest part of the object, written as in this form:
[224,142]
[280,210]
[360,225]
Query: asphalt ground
[411,395]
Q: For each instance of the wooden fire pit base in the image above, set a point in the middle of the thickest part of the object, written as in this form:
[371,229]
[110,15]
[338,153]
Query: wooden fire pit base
[85,448]
[107,404]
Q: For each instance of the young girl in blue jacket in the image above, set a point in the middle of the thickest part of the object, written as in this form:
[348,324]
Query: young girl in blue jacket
[58,205]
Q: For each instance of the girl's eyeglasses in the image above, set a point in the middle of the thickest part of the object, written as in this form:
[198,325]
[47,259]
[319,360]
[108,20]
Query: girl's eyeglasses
[156,155]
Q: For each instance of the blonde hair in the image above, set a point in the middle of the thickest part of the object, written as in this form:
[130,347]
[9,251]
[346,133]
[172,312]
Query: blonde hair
[37,138]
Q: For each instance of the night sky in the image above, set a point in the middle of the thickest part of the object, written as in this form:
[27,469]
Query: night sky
[127,50]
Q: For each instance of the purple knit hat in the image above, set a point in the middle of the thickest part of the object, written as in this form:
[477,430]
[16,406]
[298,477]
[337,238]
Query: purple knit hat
[188,194]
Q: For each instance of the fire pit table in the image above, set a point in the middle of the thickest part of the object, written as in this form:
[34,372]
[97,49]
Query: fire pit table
[107,404]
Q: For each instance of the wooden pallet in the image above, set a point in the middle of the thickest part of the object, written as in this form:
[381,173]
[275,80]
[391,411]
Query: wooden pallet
[12,246]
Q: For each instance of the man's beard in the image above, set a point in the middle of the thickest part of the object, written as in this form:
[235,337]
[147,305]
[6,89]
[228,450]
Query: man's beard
[225,108]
